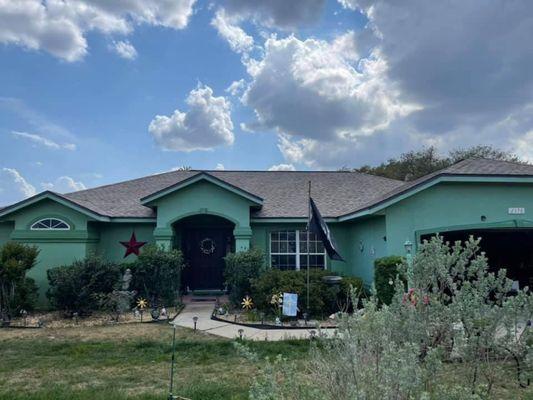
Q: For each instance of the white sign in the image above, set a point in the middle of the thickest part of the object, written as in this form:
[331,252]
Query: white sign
[290,304]
[517,210]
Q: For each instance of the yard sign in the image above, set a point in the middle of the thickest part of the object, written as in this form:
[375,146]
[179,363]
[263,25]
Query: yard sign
[290,304]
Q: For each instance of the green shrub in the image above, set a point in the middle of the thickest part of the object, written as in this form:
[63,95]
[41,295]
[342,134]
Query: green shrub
[157,275]
[385,272]
[75,287]
[16,290]
[241,268]
[324,299]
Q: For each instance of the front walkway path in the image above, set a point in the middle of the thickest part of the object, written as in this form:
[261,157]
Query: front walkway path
[203,311]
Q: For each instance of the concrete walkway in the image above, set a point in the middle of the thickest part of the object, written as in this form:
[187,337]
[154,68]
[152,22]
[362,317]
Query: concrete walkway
[203,311]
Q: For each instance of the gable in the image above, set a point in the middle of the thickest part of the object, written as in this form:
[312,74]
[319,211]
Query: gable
[202,177]
[47,205]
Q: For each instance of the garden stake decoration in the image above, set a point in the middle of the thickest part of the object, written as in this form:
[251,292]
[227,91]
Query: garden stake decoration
[195,320]
[141,305]
[247,303]
[241,333]
[170,395]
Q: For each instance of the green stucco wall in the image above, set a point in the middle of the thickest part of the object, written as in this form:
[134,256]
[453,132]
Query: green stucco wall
[111,234]
[367,241]
[452,206]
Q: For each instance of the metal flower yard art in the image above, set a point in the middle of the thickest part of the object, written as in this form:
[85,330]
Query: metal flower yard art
[141,305]
[247,303]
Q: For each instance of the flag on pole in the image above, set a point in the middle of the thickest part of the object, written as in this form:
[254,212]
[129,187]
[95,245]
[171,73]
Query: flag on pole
[318,226]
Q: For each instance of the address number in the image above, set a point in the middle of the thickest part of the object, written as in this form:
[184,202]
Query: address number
[517,210]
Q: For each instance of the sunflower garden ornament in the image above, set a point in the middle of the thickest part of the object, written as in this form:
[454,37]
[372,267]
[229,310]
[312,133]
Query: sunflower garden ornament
[141,305]
[247,303]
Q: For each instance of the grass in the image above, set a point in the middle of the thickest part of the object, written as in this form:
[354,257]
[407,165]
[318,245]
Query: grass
[132,361]
[127,361]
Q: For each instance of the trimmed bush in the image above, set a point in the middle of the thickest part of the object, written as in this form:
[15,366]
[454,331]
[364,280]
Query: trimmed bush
[241,269]
[75,287]
[324,299]
[157,275]
[385,272]
[17,292]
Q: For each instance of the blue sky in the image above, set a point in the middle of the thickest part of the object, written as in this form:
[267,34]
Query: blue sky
[323,84]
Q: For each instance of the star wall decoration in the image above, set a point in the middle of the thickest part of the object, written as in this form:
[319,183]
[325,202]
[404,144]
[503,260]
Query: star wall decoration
[133,246]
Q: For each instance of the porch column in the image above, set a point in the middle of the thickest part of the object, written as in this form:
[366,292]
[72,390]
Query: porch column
[242,238]
[164,237]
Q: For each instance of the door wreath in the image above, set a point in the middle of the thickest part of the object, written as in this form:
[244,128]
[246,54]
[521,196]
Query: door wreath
[207,246]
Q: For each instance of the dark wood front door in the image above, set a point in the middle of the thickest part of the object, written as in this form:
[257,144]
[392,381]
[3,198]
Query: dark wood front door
[204,251]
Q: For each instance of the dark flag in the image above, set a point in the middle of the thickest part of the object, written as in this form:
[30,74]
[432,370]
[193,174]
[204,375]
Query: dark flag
[319,227]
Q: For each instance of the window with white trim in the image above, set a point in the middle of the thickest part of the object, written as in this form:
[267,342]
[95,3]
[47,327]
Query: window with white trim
[288,250]
[50,224]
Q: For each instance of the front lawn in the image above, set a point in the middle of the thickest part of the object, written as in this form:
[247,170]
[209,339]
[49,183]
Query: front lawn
[126,361]
[131,361]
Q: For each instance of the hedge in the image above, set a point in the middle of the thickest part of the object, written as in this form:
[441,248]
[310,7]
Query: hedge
[385,272]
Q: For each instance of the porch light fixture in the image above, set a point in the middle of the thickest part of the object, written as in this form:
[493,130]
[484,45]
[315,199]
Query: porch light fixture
[195,321]
[408,246]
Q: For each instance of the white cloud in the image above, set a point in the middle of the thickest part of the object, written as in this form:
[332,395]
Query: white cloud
[206,125]
[237,87]
[220,167]
[64,184]
[282,167]
[124,49]
[322,90]
[523,146]
[315,92]
[14,186]
[238,40]
[60,26]
[40,140]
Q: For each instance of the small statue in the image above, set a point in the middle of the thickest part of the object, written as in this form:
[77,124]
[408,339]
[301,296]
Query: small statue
[126,279]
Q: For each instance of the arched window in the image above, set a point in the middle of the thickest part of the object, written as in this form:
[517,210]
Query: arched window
[50,224]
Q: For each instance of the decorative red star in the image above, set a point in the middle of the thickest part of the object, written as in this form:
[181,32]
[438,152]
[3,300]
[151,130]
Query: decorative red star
[133,246]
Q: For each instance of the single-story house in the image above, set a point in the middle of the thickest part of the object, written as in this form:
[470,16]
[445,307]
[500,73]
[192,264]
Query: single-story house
[207,214]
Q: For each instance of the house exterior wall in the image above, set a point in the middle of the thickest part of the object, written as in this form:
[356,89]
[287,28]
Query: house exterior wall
[366,242]
[203,198]
[55,247]
[455,206]
[111,234]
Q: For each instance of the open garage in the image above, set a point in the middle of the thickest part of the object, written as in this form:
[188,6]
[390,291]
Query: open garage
[510,248]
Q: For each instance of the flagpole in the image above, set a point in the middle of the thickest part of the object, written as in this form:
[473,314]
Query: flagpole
[308,229]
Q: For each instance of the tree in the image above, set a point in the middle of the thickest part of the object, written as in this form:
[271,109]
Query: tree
[415,164]
[16,290]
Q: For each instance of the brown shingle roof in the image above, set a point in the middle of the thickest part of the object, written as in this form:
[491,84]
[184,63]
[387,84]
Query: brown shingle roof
[284,193]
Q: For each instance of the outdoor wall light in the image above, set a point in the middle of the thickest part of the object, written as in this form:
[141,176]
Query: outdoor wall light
[483,218]
[408,246]
[195,320]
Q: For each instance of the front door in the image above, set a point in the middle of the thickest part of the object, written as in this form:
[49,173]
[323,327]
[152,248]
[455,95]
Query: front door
[204,251]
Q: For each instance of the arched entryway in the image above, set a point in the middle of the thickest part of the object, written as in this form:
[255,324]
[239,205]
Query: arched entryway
[204,240]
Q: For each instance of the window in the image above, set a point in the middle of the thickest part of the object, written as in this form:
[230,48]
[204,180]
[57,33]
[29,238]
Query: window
[288,250]
[50,224]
